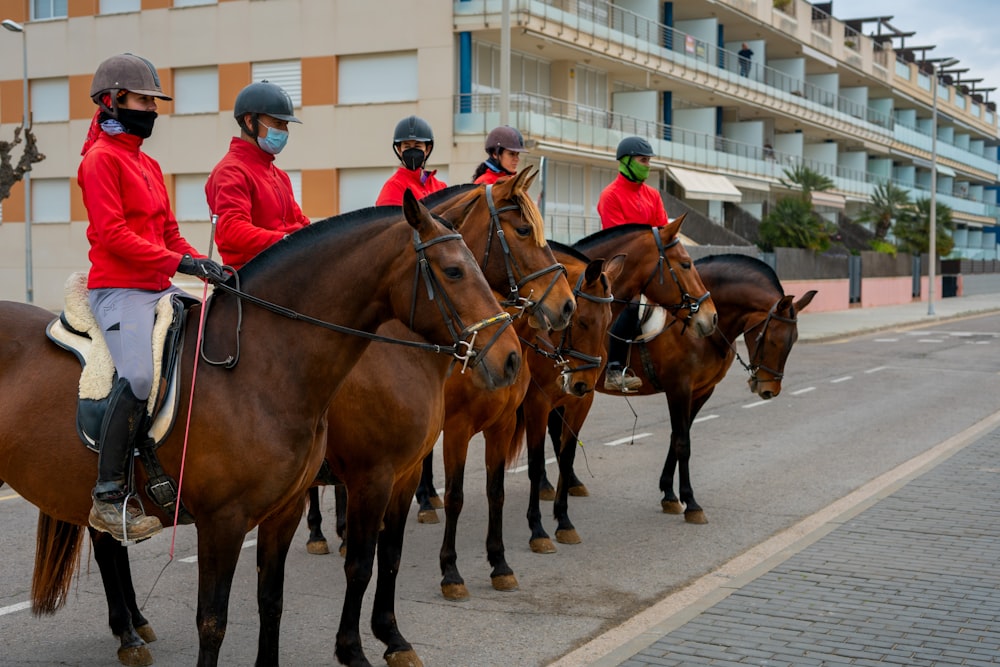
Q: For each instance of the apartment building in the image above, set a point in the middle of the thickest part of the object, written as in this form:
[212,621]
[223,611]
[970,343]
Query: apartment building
[846,98]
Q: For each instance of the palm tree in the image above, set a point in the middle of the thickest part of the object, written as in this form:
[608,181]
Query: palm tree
[792,223]
[887,203]
[809,181]
[912,228]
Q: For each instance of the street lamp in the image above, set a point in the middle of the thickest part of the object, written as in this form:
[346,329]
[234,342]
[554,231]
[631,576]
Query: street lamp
[932,241]
[14,26]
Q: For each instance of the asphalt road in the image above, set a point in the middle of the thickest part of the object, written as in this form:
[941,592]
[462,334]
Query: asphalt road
[849,411]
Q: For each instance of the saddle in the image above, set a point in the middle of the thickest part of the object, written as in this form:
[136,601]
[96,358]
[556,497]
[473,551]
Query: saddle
[76,330]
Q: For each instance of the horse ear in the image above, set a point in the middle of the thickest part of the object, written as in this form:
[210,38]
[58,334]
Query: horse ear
[615,266]
[674,228]
[415,212]
[526,178]
[593,271]
[805,300]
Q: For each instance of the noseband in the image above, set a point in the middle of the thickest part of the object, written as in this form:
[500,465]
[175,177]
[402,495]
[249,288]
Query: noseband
[565,351]
[755,364]
[463,337]
[514,298]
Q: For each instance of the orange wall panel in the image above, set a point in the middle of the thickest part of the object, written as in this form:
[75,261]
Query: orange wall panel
[232,78]
[167,86]
[320,193]
[157,4]
[15,10]
[13,206]
[319,81]
[80,104]
[76,8]
[77,211]
[11,101]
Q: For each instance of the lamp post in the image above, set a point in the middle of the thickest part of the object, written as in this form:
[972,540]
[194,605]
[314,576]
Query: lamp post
[14,26]
[932,240]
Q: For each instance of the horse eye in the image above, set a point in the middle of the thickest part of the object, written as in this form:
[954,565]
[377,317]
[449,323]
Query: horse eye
[453,272]
[685,265]
[524,232]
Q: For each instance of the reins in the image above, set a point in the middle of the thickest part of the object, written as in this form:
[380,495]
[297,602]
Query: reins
[754,364]
[461,349]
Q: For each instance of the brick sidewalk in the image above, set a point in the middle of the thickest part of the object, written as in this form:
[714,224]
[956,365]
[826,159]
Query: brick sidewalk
[912,580]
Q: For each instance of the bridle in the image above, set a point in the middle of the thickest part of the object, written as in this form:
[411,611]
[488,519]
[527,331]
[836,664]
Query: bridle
[463,337]
[755,364]
[514,298]
[690,303]
[564,351]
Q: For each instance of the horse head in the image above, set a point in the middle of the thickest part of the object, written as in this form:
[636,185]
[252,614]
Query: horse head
[506,231]
[770,341]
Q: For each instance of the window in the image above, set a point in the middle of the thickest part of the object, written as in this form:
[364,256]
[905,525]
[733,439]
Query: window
[381,77]
[189,197]
[49,100]
[120,6]
[196,90]
[50,200]
[285,73]
[295,176]
[48,9]
[359,188]
[527,74]
[194,3]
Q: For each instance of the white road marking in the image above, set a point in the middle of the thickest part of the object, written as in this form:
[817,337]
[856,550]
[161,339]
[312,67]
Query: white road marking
[803,391]
[843,379]
[622,441]
[705,418]
[194,559]
[886,340]
[10,609]
[754,405]
[518,469]
[876,369]
[930,340]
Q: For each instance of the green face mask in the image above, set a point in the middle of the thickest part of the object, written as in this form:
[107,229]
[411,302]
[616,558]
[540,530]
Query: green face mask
[632,170]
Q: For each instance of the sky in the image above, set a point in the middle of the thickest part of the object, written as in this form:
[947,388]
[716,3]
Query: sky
[963,29]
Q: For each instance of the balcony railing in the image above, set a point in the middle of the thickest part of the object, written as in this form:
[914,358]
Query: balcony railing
[566,125]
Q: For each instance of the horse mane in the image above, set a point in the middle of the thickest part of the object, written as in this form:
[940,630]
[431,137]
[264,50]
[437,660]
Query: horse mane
[319,231]
[609,233]
[569,250]
[740,268]
[529,210]
[435,198]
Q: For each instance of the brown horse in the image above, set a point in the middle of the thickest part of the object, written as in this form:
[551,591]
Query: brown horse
[559,363]
[752,304]
[273,402]
[658,267]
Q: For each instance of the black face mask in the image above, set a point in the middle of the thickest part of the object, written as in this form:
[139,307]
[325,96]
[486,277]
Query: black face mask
[139,123]
[413,158]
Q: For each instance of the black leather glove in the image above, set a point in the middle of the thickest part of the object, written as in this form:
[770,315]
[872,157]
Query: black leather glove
[205,269]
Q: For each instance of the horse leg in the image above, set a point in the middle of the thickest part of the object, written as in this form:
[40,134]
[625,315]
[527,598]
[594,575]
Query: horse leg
[398,652]
[565,530]
[456,450]
[680,451]
[340,503]
[679,405]
[366,507]
[555,427]
[111,555]
[497,439]
[219,543]
[274,537]
[534,416]
[316,544]
[428,500]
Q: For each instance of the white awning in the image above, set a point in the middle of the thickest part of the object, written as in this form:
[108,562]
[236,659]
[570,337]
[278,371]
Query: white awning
[750,183]
[945,169]
[701,185]
[828,199]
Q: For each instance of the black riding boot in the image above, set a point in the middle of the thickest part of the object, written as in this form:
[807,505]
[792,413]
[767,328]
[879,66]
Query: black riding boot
[624,330]
[110,513]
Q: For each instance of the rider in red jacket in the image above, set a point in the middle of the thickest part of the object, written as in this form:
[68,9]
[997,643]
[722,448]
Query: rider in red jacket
[412,142]
[628,199]
[135,247]
[504,146]
[252,197]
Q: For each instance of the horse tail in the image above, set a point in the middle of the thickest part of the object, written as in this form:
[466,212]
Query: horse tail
[517,439]
[57,554]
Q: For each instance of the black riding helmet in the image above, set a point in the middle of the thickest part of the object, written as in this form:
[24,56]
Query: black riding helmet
[633,146]
[263,98]
[413,128]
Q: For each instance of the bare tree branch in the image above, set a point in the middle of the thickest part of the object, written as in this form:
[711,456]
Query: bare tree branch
[10,173]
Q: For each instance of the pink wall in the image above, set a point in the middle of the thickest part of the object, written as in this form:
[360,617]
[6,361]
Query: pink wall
[835,294]
[830,294]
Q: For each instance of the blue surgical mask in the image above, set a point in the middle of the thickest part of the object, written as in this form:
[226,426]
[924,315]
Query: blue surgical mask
[274,141]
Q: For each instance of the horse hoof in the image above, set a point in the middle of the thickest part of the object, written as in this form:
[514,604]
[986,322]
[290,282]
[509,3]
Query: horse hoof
[318,548]
[569,536]
[427,516]
[146,633]
[135,656]
[672,507]
[579,491]
[343,550]
[456,592]
[504,582]
[542,545]
[403,659]
[696,516]
[436,502]
[547,494]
